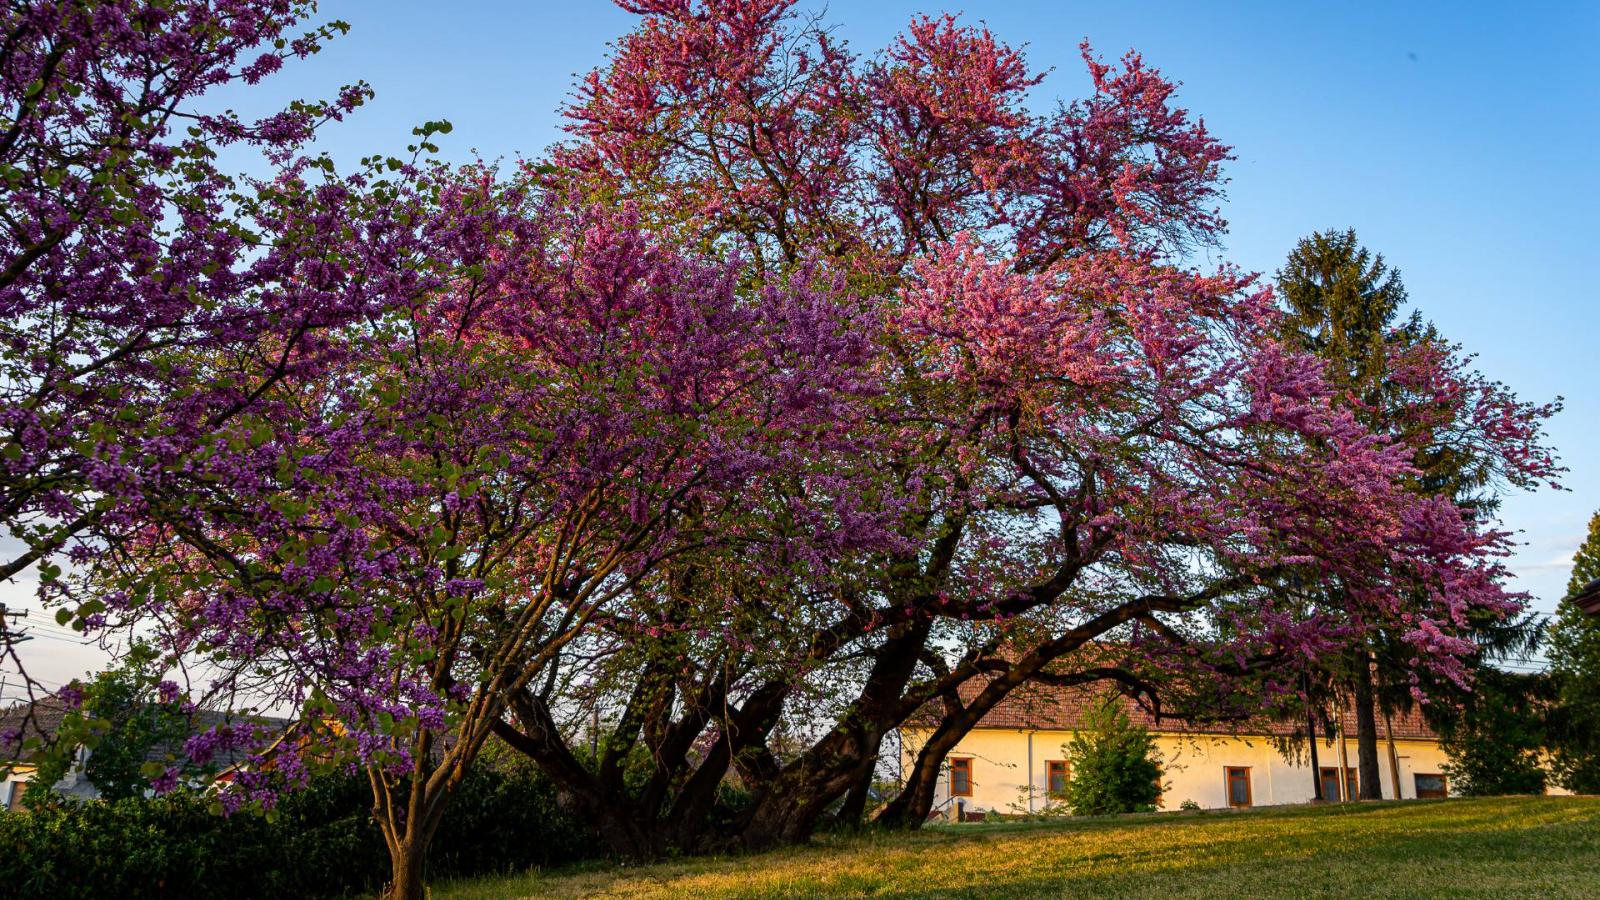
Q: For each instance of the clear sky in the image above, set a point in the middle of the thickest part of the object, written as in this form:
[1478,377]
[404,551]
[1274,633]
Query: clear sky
[1459,139]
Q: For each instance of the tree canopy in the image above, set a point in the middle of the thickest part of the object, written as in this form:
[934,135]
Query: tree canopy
[797,394]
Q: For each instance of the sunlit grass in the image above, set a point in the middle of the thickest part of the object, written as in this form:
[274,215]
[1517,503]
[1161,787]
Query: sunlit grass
[1504,847]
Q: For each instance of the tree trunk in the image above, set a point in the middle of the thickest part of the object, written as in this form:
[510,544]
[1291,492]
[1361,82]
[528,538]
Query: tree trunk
[1316,767]
[626,835]
[789,812]
[405,868]
[1311,741]
[855,802]
[579,792]
[1367,733]
[787,807]
[910,808]
[1394,755]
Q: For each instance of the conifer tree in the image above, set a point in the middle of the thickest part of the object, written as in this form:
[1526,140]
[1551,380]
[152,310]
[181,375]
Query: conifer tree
[1116,767]
[1344,303]
[1575,664]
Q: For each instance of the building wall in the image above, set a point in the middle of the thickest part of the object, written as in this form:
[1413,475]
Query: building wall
[1193,768]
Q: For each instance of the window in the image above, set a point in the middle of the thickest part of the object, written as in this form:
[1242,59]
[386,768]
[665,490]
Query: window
[960,776]
[1238,785]
[1060,773]
[18,788]
[1330,784]
[1431,785]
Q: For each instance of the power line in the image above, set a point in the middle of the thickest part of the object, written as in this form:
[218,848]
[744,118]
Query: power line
[81,642]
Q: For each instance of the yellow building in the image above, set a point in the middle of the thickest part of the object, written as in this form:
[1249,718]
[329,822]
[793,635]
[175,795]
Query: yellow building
[1016,759]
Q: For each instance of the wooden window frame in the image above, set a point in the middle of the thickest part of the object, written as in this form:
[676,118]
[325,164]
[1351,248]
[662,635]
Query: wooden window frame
[1050,767]
[1350,782]
[964,763]
[1323,775]
[1444,782]
[1227,787]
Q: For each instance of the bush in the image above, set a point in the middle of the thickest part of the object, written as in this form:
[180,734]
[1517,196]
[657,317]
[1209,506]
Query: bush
[1495,743]
[321,842]
[1115,768]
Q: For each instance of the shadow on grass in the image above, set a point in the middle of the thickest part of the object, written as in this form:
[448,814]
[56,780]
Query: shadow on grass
[1497,847]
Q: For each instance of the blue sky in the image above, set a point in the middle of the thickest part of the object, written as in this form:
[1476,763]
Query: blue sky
[1458,139]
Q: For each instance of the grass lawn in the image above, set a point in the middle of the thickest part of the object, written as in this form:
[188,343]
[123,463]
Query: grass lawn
[1503,847]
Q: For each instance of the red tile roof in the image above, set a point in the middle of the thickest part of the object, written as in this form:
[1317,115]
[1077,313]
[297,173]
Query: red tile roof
[1046,708]
[1588,598]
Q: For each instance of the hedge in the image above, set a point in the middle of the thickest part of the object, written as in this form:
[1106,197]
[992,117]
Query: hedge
[322,843]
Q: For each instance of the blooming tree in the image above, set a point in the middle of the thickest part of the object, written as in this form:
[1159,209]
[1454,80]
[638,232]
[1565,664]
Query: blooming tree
[160,310]
[148,297]
[416,536]
[1081,440]
[797,396]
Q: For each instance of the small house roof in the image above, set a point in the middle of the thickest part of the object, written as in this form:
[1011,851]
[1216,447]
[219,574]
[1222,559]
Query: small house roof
[49,711]
[1038,707]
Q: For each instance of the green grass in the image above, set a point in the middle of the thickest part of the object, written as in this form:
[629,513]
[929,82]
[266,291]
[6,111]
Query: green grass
[1502,847]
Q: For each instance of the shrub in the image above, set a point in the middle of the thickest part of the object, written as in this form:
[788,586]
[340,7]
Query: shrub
[319,842]
[1034,805]
[1495,743]
[1115,767]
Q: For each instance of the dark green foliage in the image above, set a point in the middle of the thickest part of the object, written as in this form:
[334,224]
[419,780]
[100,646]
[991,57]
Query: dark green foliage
[1575,666]
[1344,305]
[1115,767]
[504,818]
[1342,301]
[1496,740]
[321,842]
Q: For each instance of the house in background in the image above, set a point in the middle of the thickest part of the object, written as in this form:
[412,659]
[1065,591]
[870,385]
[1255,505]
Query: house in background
[1015,760]
[17,770]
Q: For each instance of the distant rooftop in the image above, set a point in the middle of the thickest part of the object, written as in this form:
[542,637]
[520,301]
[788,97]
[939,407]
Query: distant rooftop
[1588,598]
[1048,708]
[49,711]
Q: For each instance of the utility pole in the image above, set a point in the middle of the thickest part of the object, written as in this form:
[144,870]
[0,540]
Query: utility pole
[8,637]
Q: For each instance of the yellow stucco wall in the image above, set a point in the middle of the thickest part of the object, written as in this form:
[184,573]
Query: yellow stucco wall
[1193,765]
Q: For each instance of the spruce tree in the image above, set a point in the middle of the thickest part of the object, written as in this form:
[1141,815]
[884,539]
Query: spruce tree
[1115,765]
[1575,665]
[1344,304]
[1495,742]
